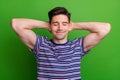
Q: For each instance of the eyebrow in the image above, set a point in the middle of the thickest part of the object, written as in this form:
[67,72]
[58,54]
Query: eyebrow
[58,22]
[55,22]
[64,22]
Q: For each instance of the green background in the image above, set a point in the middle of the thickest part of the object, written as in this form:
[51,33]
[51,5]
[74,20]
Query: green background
[18,63]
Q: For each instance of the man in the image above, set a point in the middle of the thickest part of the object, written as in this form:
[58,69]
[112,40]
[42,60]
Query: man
[59,58]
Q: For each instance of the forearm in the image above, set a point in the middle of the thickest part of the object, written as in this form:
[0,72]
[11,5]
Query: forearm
[28,23]
[93,27]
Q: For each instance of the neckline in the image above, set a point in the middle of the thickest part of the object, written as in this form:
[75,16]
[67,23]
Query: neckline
[60,44]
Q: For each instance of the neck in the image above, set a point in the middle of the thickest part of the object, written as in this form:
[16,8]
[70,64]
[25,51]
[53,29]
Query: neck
[60,41]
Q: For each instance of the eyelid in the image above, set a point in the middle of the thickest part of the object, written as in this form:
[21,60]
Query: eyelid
[65,23]
[55,23]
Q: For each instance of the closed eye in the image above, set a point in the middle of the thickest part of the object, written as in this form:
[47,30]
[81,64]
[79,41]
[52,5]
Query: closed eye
[55,23]
[65,23]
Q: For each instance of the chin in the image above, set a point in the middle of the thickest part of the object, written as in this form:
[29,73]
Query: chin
[61,38]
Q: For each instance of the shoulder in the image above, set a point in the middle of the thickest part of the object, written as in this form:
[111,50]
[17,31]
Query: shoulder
[43,40]
[77,41]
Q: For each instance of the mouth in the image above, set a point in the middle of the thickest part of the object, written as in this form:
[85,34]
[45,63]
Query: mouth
[60,32]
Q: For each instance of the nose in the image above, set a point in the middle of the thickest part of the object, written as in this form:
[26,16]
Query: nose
[60,26]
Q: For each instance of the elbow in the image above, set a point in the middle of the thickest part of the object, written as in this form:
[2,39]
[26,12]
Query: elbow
[107,28]
[14,23]
[17,23]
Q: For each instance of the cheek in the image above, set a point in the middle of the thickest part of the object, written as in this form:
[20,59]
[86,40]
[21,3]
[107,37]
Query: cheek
[67,28]
[53,29]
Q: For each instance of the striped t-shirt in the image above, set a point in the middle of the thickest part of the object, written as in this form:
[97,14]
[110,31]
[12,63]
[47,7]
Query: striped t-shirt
[58,61]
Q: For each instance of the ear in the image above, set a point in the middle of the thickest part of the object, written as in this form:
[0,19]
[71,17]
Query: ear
[70,26]
[49,28]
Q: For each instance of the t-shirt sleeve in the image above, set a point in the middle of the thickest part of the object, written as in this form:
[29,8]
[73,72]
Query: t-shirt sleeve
[81,40]
[37,44]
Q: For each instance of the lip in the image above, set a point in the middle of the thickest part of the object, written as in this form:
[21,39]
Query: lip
[60,32]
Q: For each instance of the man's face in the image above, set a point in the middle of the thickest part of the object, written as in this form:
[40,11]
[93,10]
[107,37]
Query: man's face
[60,27]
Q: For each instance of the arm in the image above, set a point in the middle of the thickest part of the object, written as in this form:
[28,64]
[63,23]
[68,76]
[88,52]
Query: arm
[23,28]
[97,32]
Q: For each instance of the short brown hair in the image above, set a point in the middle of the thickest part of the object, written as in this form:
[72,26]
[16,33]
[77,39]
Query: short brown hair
[57,11]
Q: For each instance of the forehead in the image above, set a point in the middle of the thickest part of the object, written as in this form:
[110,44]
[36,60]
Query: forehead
[60,18]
